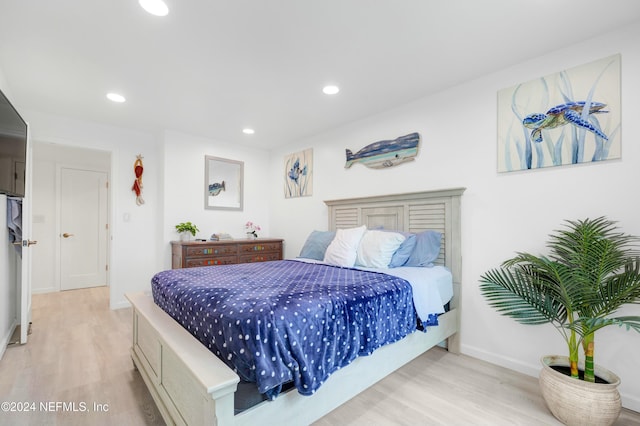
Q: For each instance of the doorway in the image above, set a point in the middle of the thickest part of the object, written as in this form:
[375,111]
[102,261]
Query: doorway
[83,228]
[60,173]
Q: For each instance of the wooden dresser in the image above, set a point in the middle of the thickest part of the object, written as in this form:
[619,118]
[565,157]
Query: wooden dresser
[189,254]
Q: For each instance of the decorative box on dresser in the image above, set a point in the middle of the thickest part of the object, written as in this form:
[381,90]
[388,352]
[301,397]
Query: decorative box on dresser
[189,254]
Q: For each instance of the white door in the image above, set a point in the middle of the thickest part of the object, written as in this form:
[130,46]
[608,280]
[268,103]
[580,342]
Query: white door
[25,270]
[83,228]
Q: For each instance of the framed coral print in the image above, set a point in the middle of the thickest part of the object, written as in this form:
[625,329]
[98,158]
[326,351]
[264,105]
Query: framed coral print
[223,181]
[569,117]
[298,174]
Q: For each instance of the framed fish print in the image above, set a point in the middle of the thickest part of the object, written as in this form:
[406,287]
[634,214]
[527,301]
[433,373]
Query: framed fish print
[569,117]
[298,174]
[223,183]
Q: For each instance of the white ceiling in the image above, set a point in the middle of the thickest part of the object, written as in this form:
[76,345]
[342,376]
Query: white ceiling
[213,67]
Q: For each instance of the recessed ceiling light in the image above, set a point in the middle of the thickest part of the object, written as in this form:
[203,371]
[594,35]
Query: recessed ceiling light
[248,131]
[154,7]
[115,97]
[330,90]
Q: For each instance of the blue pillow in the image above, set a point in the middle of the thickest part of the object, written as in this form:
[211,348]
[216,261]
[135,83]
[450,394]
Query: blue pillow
[316,244]
[401,255]
[426,250]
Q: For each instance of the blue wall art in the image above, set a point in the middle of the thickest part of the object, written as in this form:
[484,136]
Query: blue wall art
[387,153]
[569,117]
[298,174]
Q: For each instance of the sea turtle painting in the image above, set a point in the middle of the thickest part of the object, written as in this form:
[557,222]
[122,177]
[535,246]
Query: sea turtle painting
[559,115]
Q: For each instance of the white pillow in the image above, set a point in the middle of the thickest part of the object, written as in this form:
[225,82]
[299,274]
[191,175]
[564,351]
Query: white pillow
[377,247]
[342,250]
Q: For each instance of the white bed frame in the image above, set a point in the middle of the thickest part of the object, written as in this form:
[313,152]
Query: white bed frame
[191,386]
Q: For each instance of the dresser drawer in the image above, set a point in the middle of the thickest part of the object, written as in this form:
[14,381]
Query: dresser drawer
[260,257]
[211,261]
[259,247]
[229,250]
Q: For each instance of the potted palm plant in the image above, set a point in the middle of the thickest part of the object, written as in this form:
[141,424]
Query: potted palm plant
[591,271]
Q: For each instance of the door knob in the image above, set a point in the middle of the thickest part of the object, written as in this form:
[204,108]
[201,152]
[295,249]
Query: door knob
[25,243]
[67,235]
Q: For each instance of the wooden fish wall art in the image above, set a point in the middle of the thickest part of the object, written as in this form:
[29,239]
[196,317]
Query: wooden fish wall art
[387,153]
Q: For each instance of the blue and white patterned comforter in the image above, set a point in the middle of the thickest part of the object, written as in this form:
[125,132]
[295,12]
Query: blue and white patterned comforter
[282,321]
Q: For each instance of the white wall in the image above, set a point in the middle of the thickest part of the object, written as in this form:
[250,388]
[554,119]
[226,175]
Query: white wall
[184,189]
[501,213]
[135,246]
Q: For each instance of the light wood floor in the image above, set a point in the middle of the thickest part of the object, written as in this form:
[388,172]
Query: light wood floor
[78,353]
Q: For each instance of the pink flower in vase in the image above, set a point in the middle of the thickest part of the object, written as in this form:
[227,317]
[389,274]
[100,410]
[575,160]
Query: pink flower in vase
[252,229]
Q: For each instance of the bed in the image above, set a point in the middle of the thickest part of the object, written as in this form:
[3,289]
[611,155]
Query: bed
[193,386]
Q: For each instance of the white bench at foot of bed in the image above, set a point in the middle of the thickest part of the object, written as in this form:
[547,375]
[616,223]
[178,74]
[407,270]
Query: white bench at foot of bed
[192,386]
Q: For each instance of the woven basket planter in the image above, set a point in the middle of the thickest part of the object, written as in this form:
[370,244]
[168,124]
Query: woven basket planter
[576,402]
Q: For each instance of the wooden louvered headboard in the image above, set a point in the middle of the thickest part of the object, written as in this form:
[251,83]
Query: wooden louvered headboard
[410,212]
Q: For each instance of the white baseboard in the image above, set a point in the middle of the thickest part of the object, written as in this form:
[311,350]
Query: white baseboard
[44,290]
[7,337]
[120,304]
[628,401]
[494,358]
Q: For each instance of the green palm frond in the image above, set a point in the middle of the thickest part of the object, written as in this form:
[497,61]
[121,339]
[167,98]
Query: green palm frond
[593,249]
[595,324]
[615,291]
[523,293]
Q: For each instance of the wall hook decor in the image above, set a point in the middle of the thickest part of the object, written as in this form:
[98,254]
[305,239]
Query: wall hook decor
[137,184]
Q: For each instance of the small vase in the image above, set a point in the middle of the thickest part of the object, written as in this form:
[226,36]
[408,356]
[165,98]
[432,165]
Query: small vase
[252,235]
[185,236]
